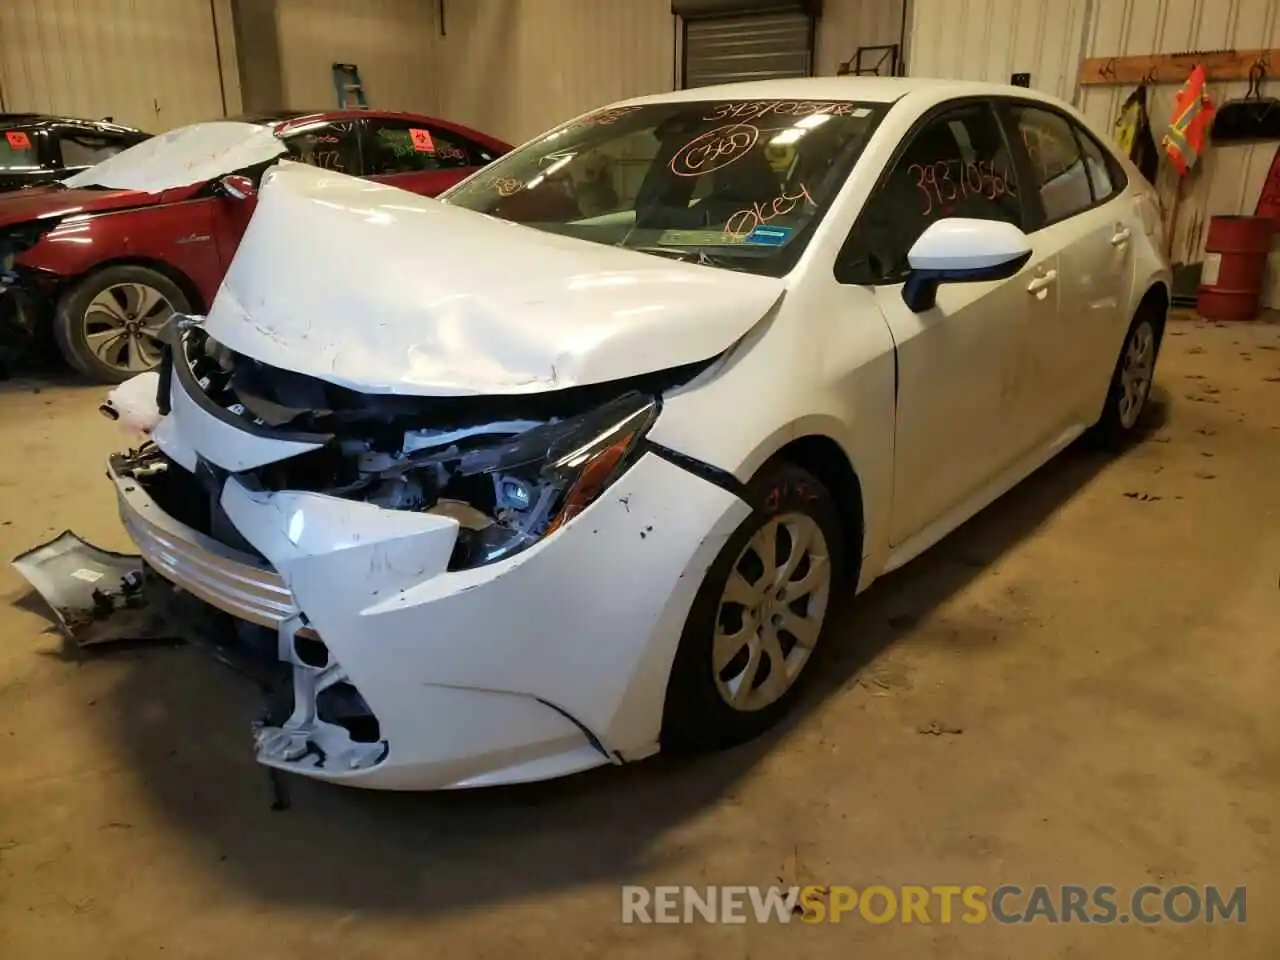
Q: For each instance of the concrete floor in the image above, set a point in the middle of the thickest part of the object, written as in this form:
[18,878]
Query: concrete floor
[1109,665]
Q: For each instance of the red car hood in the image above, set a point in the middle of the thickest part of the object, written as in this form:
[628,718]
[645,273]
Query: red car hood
[38,203]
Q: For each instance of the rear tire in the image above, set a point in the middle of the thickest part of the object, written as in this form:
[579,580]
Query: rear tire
[105,324]
[772,614]
[1131,382]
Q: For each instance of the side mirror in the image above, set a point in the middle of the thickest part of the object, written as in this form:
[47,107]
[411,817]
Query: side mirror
[236,186]
[960,250]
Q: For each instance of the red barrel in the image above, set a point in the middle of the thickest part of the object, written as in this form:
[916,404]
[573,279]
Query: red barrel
[1235,264]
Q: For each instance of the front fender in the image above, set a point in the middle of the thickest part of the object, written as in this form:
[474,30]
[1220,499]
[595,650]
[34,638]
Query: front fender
[178,235]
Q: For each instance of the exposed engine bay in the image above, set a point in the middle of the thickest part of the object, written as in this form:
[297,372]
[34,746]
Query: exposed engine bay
[508,469]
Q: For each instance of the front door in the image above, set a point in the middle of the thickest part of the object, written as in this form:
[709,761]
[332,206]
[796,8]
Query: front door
[962,382]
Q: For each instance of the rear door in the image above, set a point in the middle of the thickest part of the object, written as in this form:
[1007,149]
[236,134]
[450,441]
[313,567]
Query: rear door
[417,156]
[1080,212]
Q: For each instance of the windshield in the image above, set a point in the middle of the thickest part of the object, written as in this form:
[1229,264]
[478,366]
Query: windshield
[737,184]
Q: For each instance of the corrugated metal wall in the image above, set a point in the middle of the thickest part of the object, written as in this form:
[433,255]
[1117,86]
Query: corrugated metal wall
[151,63]
[393,42]
[1230,178]
[989,39]
[849,24]
[516,67]
[512,67]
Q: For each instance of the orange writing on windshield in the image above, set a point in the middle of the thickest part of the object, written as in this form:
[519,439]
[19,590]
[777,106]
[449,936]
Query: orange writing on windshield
[714,149]
[741,223]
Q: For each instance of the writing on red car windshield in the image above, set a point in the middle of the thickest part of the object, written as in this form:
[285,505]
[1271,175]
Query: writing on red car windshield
[506,186]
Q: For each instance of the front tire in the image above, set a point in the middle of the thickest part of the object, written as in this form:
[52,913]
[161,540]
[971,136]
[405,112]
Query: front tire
[106,326]
[758,617]
[1131,383]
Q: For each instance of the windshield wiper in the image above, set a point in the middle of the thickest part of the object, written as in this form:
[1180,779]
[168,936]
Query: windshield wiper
[691,255]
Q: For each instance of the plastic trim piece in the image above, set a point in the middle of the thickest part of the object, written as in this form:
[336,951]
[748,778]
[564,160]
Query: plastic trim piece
[713,475]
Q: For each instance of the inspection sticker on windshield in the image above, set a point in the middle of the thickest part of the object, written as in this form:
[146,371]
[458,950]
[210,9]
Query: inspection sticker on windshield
[699,238]
[768,236]
[422,140]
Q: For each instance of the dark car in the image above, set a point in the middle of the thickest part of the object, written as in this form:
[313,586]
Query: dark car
[37,149]
[106,257]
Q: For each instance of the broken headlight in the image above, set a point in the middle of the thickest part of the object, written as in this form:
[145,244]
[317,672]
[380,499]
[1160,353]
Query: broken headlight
[509,494]
[15,241]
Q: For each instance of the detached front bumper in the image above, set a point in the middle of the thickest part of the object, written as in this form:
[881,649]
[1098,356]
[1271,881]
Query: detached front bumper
[553,661]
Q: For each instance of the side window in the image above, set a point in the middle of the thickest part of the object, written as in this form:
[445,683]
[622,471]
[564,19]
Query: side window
[1056,162]
[83,149]
[18,150]
[332,146]
[397,146]
[957,165]
[1104,172]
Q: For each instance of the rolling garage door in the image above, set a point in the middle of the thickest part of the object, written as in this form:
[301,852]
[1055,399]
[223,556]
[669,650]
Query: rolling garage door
[726,41]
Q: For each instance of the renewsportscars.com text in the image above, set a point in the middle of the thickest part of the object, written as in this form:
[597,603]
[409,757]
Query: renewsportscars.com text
[1005,904]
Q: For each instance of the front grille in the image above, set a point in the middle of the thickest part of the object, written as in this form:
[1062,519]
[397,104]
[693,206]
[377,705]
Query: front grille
[193,499]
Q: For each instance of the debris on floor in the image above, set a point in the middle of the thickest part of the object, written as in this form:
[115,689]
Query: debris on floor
[133,405]
[96,595]
[935,729]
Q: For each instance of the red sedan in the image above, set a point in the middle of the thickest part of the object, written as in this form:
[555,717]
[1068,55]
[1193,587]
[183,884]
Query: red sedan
[109,254]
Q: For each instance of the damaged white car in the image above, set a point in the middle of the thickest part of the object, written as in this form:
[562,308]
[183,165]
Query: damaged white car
[576,462]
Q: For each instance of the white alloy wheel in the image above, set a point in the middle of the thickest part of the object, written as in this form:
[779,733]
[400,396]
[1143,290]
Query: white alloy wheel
[771,612]
[1136,372]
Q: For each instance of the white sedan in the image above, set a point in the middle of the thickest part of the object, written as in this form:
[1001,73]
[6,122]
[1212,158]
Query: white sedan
[576,462]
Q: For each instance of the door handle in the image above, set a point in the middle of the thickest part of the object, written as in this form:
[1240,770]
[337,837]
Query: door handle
[1040,284]
[1120,237]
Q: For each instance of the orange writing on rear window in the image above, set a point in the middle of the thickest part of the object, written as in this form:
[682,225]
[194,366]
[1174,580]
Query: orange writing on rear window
[18,139]
[422,141]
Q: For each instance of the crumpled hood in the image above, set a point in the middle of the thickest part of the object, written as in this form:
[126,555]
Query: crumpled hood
[183,156]
[43,203]
[373,288]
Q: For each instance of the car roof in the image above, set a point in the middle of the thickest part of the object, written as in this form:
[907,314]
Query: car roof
[866,89]
[267,117]
[36,120]
[285,121]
